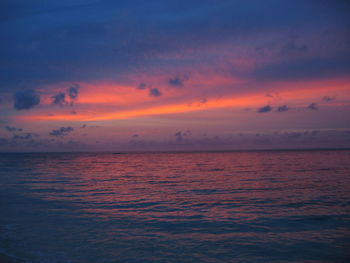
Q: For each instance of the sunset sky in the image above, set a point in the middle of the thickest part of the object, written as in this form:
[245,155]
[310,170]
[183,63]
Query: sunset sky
[174,75]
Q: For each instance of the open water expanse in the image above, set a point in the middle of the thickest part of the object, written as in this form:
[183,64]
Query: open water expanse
[273,206]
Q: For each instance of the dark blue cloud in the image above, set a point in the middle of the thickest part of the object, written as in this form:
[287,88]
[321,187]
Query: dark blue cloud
[181,135]
[178,136]
[282,108]
[264,109]
[328,99]
[154,92]
[73,92]
[59,99]
[12,128]
[26,136]
[177,81]
[63,131]
[312,106]
[89,126]
[26,99]
[142,86]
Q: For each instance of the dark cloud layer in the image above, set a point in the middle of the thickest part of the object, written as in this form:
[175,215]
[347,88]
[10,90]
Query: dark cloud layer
[26,99]
[57,41]
[185,140]
[304,68]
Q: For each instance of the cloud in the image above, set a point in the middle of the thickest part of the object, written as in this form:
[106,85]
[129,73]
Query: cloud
[328,99]
[26,99]
[73,92]
[12,128]
[198,103]
[63,131]
[203,100]
[293,45]
[180,135]
[303,68]
[90,126]
[312,106]
[177,81]
[59,99]
[264,109]
[155,92]
[141,86]
[187,133]
[26,136]
[282,108]
[149,33]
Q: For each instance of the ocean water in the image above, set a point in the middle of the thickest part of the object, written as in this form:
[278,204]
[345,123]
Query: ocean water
[273,206]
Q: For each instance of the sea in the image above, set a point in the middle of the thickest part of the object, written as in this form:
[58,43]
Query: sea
[253,206]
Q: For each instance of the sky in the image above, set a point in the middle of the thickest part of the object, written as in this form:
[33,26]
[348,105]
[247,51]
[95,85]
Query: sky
[103,75]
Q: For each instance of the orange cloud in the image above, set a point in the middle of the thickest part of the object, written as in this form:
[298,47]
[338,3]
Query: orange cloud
[114,102]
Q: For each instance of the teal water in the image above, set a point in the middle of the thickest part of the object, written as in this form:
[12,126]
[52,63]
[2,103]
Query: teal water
[285,206]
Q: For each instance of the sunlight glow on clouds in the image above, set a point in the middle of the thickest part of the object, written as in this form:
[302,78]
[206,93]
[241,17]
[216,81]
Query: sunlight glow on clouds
[160,68]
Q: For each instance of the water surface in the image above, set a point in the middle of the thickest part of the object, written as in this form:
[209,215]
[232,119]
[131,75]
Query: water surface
[283,206]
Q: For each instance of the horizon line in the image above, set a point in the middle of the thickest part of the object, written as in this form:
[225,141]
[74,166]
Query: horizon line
[185,151]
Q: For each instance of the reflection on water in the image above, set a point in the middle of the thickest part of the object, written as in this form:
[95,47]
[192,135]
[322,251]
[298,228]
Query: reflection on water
[181,207]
